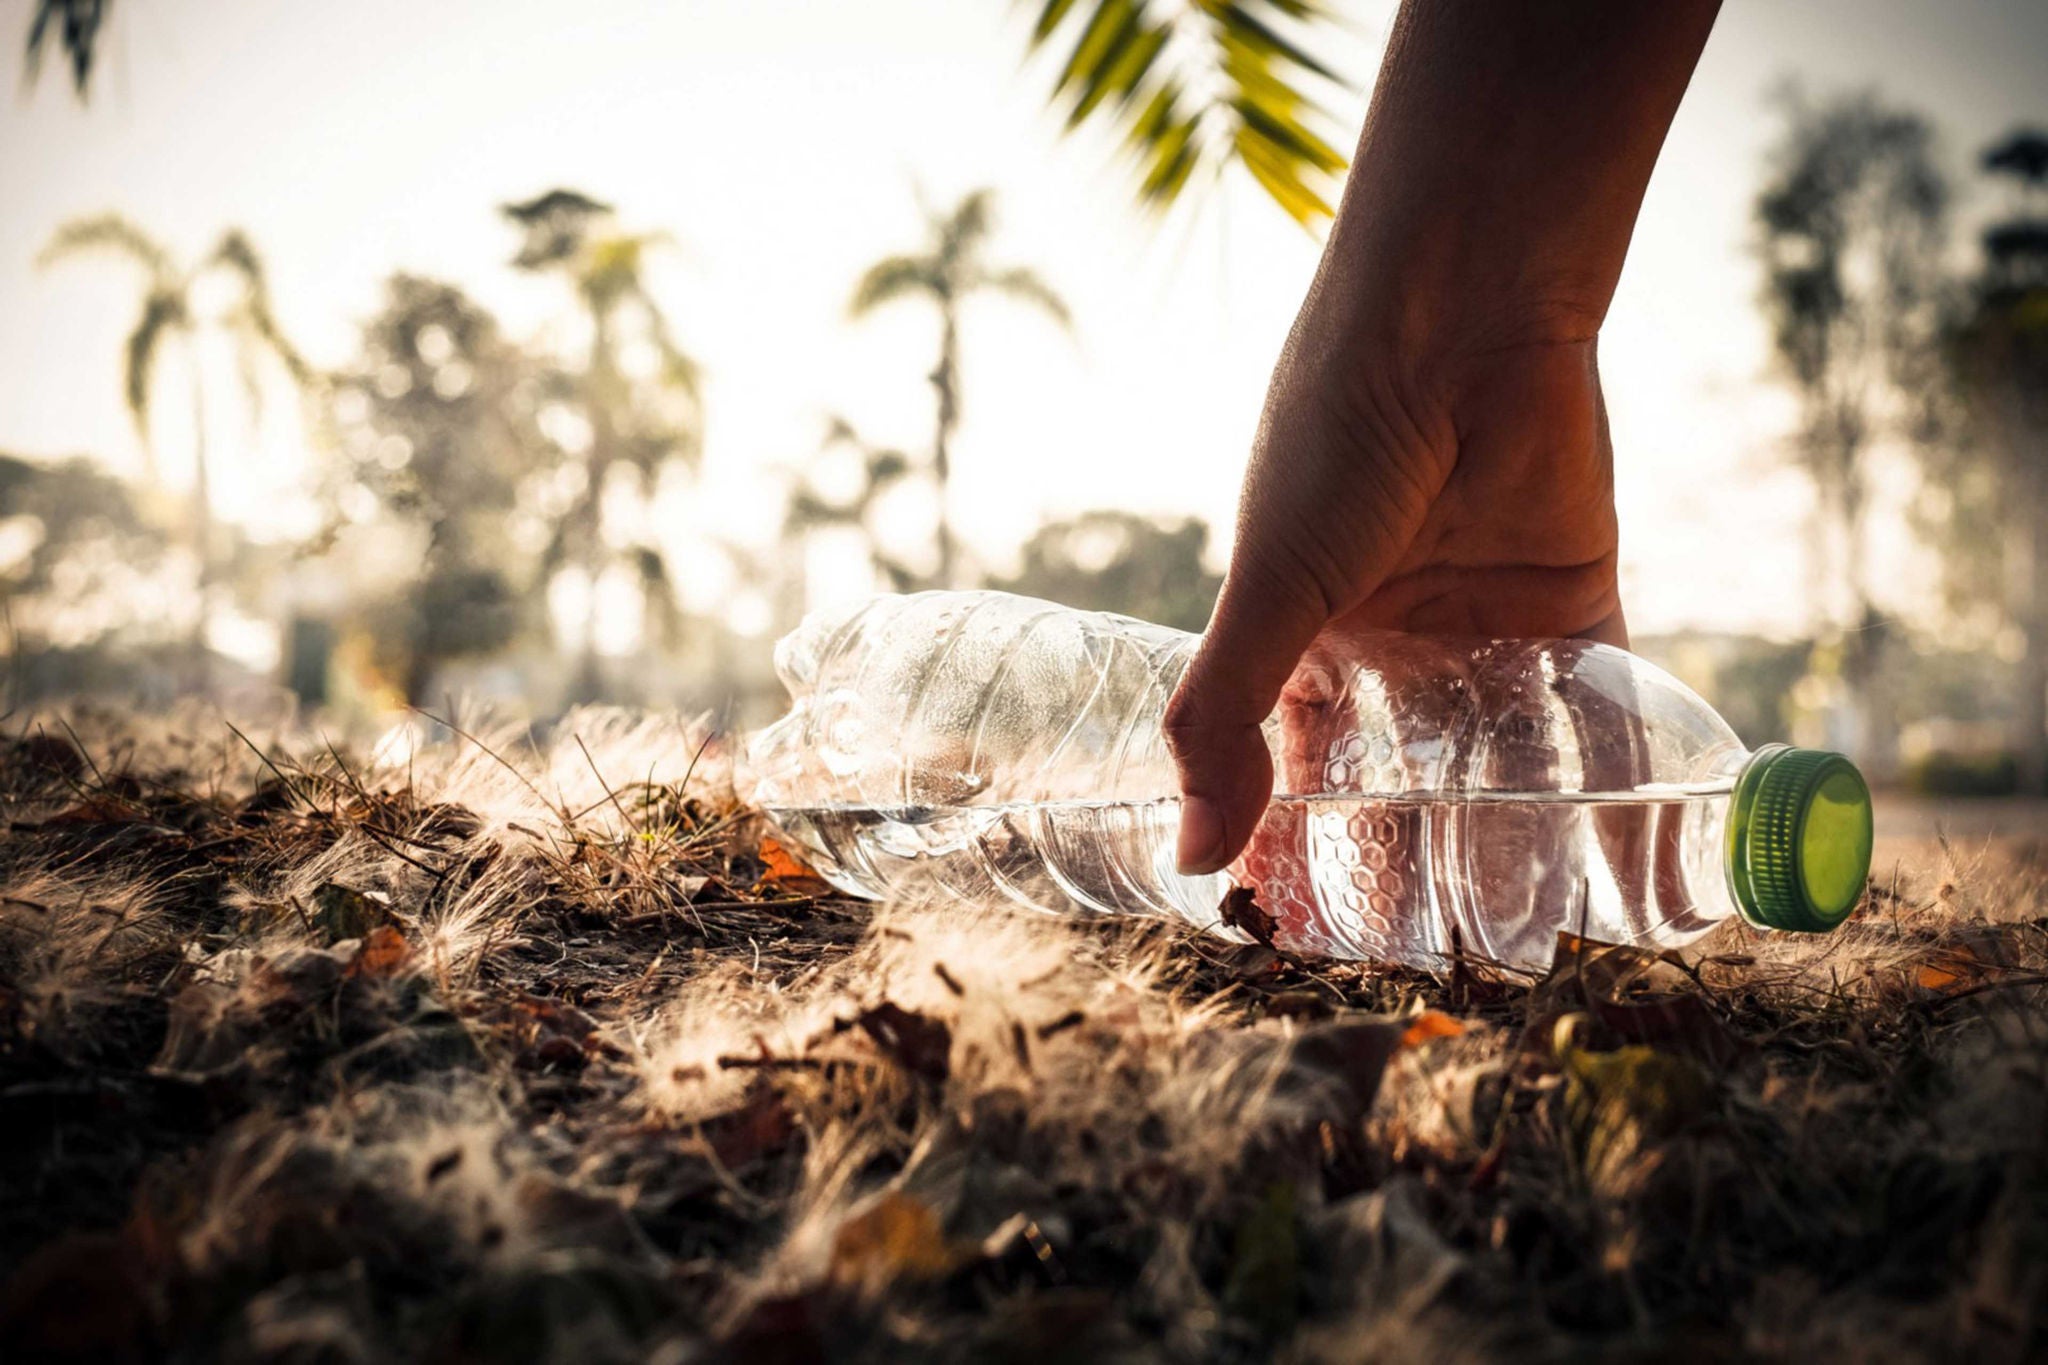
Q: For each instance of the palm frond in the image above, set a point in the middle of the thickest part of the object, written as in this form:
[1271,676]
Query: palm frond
[255,319]
[892,278]
[109,232]
[162,312]
[961,232]
[1025,284]
[76,24]
[1207,84]
[556,224]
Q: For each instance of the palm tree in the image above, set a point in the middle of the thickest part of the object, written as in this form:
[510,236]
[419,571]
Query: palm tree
[951,268]
[637,421]
[168,313]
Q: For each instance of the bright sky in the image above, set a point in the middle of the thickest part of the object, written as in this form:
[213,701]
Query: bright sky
[780,141]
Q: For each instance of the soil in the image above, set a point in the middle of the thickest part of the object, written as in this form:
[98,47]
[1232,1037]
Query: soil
[487,1046]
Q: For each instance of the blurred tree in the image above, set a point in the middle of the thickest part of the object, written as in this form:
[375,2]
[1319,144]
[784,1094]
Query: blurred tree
[1851,224]
[625,412]
[1993,510]
[438,419]
[1197,85]
[169,296]
[949,270]
[73,545]
[1117,561]
[812,508]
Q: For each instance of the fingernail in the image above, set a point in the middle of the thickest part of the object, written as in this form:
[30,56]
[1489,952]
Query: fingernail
[1200,849]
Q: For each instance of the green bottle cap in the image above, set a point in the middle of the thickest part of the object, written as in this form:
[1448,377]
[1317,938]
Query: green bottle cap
[1798,839]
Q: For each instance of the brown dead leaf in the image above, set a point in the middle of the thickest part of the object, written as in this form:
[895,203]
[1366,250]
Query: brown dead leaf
[784,872]
[919,1044]
[762,1126]
[554,1034]
[93,810]
[1241,910]
[1346,1059]
[1954,968]
[1640,995]
[895,1236]
[343,912]
[383,954]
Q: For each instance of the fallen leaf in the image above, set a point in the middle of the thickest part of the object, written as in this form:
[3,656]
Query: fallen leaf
[1640,995]
[384,953]
[1241,911]
[761,1126]
[343,912]
[783,871]
[919,1044]
[895,1236]
[92,811]
[1430,1025]
[1622,1101]
[1298,1005]
[1953,968]
[554,1033]
[1345,1060]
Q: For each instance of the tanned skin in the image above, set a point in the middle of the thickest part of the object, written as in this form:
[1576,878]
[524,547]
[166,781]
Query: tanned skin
[1433,455]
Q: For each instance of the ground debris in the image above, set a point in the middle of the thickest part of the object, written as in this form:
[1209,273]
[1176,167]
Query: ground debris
[540,1047]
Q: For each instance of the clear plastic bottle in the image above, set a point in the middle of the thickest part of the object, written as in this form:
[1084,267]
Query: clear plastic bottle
[1491,792]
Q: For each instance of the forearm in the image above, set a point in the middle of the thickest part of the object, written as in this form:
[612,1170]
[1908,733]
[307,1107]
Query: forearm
[1502,166]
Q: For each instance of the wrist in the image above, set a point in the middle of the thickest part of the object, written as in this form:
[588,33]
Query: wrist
[1444,289]
[1407,351]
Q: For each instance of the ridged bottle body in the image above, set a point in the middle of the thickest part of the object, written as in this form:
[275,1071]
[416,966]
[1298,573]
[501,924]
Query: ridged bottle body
[1429,793]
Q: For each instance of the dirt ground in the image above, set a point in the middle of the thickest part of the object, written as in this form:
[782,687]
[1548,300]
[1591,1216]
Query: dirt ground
[475,1047]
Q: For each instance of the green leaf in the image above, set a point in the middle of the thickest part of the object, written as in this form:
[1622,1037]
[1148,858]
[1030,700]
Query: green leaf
[1049,19]
[1111,19]
[1136,66]
[1292,142]
[1247,28]
[1130,49]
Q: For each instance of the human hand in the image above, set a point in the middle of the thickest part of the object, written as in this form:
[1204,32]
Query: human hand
[1468,492]
[1433,454]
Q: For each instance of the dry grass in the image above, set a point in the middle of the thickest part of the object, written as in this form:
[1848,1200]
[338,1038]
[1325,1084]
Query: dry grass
[467,1047]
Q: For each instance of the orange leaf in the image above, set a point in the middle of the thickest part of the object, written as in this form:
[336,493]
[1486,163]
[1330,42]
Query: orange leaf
[1955,967]
[782,870]
[897,1236]
[384,953]
[1430,1025]
[1940,979]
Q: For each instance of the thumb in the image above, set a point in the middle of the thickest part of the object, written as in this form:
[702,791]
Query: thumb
[1256,636]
